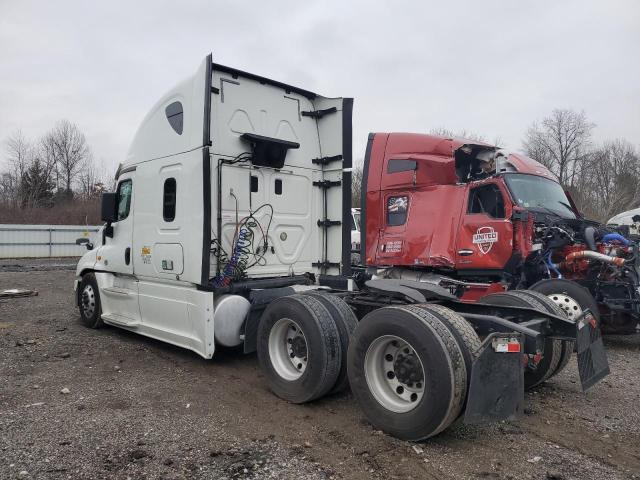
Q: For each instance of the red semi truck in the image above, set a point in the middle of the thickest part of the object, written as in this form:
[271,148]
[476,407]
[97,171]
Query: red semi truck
[477,220]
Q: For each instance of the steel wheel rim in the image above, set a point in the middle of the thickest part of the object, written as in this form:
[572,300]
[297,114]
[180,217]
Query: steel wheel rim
[381,369]
[88,301]
[568,305]
[288,349]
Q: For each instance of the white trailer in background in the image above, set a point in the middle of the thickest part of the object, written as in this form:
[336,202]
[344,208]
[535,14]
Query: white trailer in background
[231,225]
[630,217]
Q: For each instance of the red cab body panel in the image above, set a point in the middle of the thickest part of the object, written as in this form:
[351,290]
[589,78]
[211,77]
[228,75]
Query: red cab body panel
[419,214]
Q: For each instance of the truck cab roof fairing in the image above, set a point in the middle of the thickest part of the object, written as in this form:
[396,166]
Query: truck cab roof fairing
[156,138]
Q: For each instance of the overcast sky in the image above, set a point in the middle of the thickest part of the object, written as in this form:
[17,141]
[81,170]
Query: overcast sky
[490,67]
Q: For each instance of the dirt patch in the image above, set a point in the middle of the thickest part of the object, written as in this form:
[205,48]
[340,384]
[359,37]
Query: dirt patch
[37,264]
[139,408]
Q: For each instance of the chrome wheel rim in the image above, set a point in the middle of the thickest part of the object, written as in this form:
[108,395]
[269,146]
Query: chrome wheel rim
[288,349]
[570,307]
[394,374]
[88,301]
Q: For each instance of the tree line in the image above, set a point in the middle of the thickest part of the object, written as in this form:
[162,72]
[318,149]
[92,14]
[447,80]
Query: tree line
[52,179]
[602,178]
[55,178]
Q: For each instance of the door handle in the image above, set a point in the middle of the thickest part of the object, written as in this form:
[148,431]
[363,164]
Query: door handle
[127,255]
[465,252]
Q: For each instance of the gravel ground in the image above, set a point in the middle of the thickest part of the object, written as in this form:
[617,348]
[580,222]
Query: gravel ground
[137,408]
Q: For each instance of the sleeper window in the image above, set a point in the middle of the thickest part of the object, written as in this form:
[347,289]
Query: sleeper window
[487,199]
[175,116]
[125,190]
[169,200]
[254,184]
[397,208]
[278,186]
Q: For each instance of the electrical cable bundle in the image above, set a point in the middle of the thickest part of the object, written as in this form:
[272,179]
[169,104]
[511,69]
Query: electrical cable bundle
[243,254]
[243,249]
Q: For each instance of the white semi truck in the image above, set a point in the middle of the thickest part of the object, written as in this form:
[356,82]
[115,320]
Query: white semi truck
[231,226]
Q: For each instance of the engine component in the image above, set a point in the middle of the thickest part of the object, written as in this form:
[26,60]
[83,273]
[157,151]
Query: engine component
[590,237]
[618,261]
[615,237]
[228,318]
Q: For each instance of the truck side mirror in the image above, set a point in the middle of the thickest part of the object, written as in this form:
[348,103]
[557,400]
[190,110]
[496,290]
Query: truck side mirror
[85,241]
[108,207]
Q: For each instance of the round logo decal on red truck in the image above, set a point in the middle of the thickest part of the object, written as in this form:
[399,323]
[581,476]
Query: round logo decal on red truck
[485,237]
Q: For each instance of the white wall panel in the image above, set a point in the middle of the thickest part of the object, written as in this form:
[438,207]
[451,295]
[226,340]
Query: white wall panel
[19,241]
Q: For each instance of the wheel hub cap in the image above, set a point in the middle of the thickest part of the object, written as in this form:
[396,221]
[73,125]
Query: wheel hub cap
[299,347]
[88,301]
[570,307]
[394,374]
[288,349]
[407,368]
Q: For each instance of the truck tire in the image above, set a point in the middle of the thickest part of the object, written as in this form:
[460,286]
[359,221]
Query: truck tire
[346,321]
[89,302]
[570,296]
[299,348]
[407,371]
[552,348]
[465,335]
[552,307]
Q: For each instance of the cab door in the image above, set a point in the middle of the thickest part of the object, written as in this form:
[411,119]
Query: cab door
[116,252]
[485,236]
[118,285]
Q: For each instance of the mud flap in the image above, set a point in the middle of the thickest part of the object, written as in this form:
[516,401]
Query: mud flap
[496,391]
[593,365]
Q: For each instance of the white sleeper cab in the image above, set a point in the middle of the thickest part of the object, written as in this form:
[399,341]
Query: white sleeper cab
[218,188]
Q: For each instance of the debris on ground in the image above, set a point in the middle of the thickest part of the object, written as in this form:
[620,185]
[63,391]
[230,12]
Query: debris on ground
[17,292]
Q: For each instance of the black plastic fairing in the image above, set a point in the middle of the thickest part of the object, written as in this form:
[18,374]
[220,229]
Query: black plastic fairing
[363,200]
[206,176]
[347,148]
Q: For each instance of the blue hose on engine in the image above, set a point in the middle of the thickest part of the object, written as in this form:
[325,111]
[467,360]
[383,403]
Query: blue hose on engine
[552,266]
[615,237]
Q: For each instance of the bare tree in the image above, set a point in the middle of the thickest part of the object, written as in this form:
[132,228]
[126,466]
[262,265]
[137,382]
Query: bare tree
[467,135]
[37,175]
[357,177]
[9,188]
[92,179]
[67,145]
[610,183]
[19,155]
[561,142]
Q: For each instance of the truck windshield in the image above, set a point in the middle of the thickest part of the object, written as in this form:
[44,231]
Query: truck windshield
[538,193]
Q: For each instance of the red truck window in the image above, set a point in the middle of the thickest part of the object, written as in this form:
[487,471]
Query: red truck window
[397,208]
[486,199]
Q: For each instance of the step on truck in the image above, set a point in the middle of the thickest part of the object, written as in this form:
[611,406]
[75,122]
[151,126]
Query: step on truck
[230,227]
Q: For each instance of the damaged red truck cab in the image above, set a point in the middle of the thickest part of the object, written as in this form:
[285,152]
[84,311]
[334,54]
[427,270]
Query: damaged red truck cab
[426,206]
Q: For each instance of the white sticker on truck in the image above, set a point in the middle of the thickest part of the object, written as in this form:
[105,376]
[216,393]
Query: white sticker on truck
[485,237]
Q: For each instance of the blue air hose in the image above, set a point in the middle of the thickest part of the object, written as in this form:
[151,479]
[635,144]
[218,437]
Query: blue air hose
[615,237]
[551,265]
